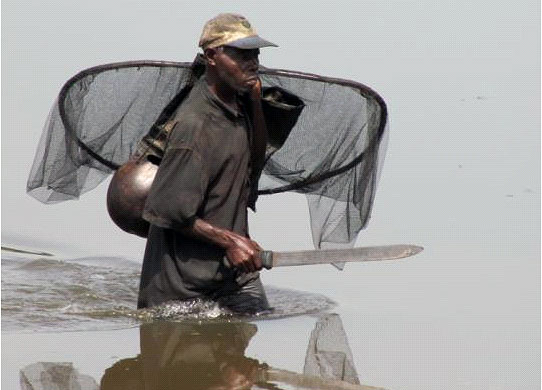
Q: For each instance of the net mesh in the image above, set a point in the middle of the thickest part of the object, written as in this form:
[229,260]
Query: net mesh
[333,154]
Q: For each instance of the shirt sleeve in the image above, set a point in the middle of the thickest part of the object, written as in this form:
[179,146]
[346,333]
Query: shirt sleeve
[178,190]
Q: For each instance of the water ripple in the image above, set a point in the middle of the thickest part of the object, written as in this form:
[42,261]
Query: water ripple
[101,293]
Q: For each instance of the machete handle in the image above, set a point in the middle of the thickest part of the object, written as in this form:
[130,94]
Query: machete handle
[265,256]
[267,259]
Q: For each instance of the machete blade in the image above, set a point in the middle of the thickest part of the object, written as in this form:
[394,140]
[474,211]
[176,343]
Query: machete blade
[327,256]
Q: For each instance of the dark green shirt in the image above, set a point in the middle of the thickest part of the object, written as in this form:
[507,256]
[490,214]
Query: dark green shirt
[204,174]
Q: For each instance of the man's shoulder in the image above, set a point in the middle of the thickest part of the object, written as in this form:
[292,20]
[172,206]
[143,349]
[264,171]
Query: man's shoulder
[196,121]
[189,128]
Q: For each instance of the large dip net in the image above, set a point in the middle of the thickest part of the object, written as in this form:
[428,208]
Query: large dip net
[332,151]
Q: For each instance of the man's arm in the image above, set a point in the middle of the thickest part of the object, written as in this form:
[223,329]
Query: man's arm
[177,193]
[241,251]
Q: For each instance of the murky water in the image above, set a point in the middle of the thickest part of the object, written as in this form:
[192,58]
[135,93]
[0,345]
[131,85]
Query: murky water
[189,345]
[190,354]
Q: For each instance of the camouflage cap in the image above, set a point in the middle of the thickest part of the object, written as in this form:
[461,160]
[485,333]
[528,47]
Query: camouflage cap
[231,30]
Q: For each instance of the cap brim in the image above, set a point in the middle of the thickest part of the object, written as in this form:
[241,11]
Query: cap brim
[253,42]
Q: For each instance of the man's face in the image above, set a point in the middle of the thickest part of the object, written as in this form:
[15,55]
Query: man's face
[237,67]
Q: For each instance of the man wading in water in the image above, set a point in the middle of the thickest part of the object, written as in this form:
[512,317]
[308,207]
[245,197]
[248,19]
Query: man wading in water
[197,206]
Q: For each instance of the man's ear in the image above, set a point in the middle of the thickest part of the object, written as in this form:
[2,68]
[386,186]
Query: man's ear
[209,55]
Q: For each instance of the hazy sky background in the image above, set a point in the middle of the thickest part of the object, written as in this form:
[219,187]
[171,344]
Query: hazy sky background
[461,176]
[461,80]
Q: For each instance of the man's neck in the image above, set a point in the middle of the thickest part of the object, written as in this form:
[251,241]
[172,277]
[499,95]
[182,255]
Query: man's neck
[223,91]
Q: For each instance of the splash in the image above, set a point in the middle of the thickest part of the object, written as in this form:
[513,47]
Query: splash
[95,293]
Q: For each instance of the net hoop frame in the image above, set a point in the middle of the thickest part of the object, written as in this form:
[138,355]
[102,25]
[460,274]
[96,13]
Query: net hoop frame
[364,90]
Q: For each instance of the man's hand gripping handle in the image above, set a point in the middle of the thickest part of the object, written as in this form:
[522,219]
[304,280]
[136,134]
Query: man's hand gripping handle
[266,257]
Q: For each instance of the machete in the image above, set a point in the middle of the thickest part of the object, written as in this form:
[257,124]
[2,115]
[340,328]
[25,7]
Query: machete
[272,259]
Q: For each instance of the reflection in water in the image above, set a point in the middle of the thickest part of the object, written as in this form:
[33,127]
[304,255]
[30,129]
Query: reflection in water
[188,356]
[328,352]
[55,376]
[211,356]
